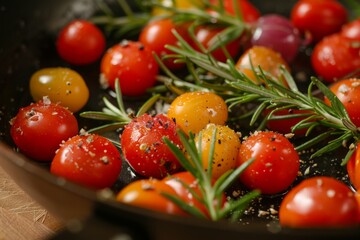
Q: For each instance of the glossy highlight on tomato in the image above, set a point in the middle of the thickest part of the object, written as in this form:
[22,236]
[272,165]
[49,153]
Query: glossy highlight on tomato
[276,162]
[353,168]
[144,149]
[192,111]
[89,160]
[80,42]
[39,128]
[60,85]
[131,63]
[319,202]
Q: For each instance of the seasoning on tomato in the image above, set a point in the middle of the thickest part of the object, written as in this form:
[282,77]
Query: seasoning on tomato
[62,85]
[133,64]
[39,128]
[89,160]
[276,162]
[80,42]
[319,202]
[192,111]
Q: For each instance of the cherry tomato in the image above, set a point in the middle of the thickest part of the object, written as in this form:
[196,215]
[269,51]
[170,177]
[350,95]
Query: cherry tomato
[264,57]
[143,146]
[319,18]
[351,30]
[335,57]
[357,196]
[205,34]
[192,111]
[38,129]
[157,34]
[319,202]
[249,12]
[226,149]
[353,168]
[284,125]
[90,160]
[80,42]
[276,163]
[348,92]
[147,193]
[131,63]
[61,85]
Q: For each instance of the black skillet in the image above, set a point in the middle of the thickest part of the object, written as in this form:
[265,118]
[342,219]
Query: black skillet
[27,33]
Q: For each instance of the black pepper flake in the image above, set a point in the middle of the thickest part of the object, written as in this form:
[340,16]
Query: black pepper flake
[168,165]
[141,47]
[272,139]
[149,124]
[219,141]
[274,149]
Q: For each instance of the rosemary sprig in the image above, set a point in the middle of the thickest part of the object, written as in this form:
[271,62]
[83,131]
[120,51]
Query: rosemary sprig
[211,193]
[273,95]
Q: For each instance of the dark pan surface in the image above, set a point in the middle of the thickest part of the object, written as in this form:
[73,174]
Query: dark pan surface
[26,45]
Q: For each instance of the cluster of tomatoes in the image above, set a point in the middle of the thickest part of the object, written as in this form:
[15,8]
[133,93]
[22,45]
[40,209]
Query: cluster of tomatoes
[93,160]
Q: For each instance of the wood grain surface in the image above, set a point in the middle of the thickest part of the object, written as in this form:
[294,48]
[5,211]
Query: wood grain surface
[20,216]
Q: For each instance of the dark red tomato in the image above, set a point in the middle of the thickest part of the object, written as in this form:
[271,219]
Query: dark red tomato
[276,163]
[90,160]
[319,202]
[204,35]
[147,193]
[143,146]
[348,92]
[318,18]
[335,57]
[249,12]
[357,196]
[284,125]
[157,34]
[38,129]
[131,63]
[353,168]
[80,42]
[351,30]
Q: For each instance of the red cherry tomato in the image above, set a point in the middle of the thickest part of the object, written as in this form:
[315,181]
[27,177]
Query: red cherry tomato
[143,146]
[335,57]
[351,30]
[348,92]
[147,193]
[248,11]
[319,18]
[80,42]
[353,168]
[276,163]
[285,125]
[319,202]
[38,129]
[131,63]
[157,34]
[90,160]
[204,35]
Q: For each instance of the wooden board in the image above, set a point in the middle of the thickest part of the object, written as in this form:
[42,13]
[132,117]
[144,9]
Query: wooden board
[20,216]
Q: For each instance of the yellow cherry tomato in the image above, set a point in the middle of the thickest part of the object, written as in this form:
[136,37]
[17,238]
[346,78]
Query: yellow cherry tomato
[192,111]
[61,85]
[226,149]
[268,59]
[180,4]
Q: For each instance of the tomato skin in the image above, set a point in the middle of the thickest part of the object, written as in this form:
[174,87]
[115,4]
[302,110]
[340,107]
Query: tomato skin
[61,85]
[353,168]
[351,30]
[319,202]
[90,160]
[146,193]
[250,13]
[80,42]
[131,63]
[144,149]
[276,163]
[334,57]
[38,129]
[157,34]
[204,34]
[192,111]
[227,145]
[329,16]
[268,59]
[348,92]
